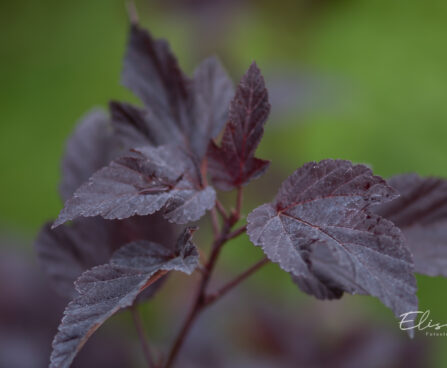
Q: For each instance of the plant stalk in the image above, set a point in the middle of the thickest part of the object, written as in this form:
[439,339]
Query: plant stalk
[232,284]
[142,337]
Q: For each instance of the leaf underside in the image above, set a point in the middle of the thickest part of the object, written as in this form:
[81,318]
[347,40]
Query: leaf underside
[421,213]
[321,230]
[104,290]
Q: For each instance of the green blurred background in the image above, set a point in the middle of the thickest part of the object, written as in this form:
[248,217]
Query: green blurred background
[355,79]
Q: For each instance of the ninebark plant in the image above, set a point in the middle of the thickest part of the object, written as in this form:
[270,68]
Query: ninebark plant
[132,176]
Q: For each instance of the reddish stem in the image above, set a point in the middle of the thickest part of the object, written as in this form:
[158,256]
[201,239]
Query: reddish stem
[239,200]
[143,340]
[221,209]
[232,284]
[237,232]
[199,302]
[215,222]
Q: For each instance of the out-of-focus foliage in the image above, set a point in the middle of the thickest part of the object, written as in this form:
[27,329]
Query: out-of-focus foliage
[30,312]
[258,336]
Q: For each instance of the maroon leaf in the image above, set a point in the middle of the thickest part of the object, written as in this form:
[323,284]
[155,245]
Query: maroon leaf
[90,147]
[30,313]
[65,252]
[133,127]
[145,182]
[213,91]
[233,163]
[421,213]
[104,290]
[321,230]
[153,74]
[177,110]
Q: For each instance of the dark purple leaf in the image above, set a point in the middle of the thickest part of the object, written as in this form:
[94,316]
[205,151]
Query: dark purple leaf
[146,181]
[90,147]
[421,213]
[104,290]
[68,251]
[213,91]
[177,110]
[30,313]
[65,252]
[321,230]
[134,127]
[233,163]
[151,71]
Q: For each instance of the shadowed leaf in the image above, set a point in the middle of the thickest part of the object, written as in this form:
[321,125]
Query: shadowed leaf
[213,91]
[104,290]
[421,213]
[65,252]
[89,148]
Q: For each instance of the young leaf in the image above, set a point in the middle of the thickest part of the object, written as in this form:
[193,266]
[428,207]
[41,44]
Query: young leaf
[233,163]
[90,147]
[144,182]
[104,290]
[67,251]
[177,109]
[321,230]
[421,213]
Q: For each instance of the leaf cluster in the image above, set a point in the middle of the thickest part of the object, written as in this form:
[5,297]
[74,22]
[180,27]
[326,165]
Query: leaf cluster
[132,176]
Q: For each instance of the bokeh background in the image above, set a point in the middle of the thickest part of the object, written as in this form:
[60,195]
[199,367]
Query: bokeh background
[354,79]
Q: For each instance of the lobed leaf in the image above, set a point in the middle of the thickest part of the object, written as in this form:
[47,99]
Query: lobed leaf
[320,229]
[421,213]
[233,163]
[144,182]
[105,289]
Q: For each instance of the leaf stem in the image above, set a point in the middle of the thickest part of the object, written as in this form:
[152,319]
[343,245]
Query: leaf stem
[229,286]
[239,200]
[237,232]
[143,340]
[221,209]
[201,300]
[215,222]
